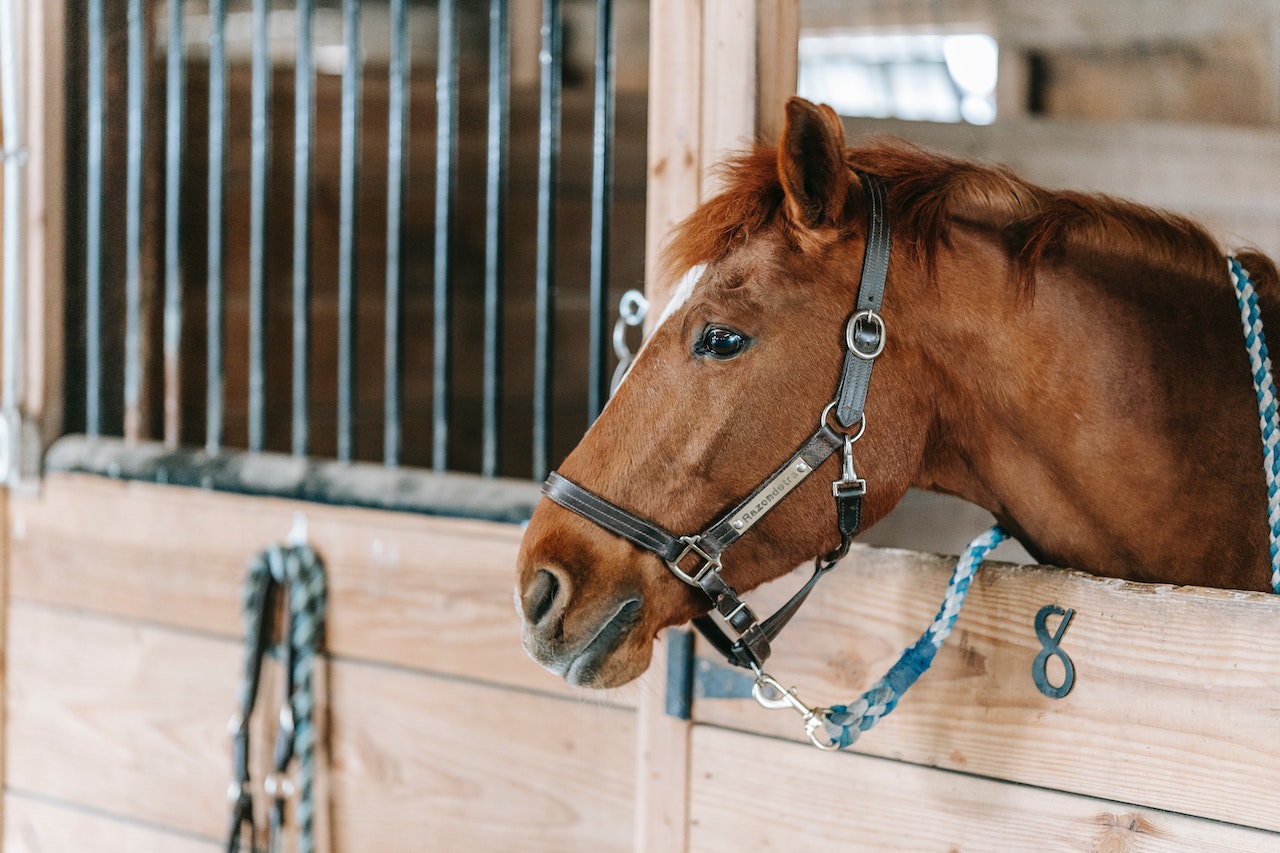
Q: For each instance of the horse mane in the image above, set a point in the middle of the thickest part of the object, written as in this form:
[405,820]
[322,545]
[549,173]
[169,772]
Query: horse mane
[930,192]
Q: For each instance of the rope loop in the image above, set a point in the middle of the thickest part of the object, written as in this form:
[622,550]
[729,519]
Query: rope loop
[296,572]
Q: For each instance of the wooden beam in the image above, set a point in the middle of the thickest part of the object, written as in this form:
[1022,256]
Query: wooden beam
[1174,688]
[675,131]
[33,825]
[127,720]
[409,590]
[818,801]
[45,82]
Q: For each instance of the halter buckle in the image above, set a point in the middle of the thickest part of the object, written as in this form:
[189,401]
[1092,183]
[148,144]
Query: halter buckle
[856,332]
[710,563]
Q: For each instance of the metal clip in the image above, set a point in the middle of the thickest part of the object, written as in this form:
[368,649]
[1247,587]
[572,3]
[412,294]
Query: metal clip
[849,483]
[784,698]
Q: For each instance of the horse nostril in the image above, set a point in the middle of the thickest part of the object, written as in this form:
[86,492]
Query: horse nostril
[540,596]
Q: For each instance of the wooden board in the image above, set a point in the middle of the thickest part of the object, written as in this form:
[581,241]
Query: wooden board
[428,593]
[431,764]
[1175,704]
[38,826]
[127,721]
[801,799]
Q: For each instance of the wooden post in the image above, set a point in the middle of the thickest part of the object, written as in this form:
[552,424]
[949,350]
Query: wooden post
[43,28]
[719,71]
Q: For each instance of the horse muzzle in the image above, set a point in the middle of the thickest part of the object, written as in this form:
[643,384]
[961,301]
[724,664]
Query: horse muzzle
[588,646]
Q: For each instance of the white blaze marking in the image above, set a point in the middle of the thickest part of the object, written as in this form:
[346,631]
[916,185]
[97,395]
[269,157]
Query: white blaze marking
[681,295]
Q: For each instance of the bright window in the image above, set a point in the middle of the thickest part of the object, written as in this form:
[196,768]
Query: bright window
[914,76]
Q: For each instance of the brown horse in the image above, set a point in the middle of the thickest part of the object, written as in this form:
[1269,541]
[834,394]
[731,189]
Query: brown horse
[1072,363]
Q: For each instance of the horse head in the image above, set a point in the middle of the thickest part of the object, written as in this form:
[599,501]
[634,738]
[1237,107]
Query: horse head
[737,373]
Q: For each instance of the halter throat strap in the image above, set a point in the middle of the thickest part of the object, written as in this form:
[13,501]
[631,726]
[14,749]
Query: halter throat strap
[695,559]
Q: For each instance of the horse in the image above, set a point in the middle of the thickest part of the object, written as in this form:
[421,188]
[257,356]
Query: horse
[1070,362]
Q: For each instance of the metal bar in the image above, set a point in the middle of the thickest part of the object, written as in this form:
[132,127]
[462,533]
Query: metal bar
[601,193]
[217,168]
[495,201]
[136,106]
[93,224]
[349,184]
[446,149]
[175,97]
[259,182]
[304,107]
[544,302]
[12,147]
[397,139]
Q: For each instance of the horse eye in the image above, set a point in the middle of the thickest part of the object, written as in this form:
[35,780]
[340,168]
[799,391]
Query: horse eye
[720,342]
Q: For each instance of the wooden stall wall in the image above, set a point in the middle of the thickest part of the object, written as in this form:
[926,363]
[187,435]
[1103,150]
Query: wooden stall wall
[124,660]
[123,653]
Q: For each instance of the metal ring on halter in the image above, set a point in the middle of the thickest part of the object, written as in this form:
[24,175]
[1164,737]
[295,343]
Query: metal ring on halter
[850,338]
[862,421]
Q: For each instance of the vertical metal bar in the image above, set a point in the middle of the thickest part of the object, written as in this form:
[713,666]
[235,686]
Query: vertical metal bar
[175,97]
[259,165]
[495,200]
[349,183]
[446,148]
[93,224]
[304,94]
[544,302]
[397,139]
[217,167]
[601,193]
[136,87]
[12,147]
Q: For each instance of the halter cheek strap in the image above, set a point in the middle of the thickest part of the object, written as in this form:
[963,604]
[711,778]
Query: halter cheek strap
[744,639]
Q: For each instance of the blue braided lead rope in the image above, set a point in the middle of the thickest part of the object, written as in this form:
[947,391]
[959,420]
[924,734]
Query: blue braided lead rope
[1265,387]
[845,723]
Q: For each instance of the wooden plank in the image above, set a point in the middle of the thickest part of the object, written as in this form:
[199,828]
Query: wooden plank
[729,68]
[662,764]
[801,799]
[778,65]
[1176,689]
[411,590]
[121,719]
[45,73]
[128,721]
[422,763]
[37,826]
[674,130]
[1157,163]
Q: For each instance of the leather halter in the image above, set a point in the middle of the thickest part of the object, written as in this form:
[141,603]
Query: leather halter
[696,559]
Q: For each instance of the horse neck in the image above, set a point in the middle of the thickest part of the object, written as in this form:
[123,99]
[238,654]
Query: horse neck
[1086,423]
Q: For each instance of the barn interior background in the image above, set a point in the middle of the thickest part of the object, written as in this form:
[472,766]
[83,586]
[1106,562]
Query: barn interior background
[352,268]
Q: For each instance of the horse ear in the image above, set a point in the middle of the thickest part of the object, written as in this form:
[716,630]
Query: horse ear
[811,163]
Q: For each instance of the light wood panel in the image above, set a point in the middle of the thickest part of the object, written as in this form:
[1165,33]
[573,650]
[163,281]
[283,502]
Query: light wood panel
[1176,697]
[121,718]
[35,826]
[800,799]
[428,764]
[127,721]
[422,592]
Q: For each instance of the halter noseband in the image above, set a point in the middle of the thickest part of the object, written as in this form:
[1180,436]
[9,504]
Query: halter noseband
[696,559]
